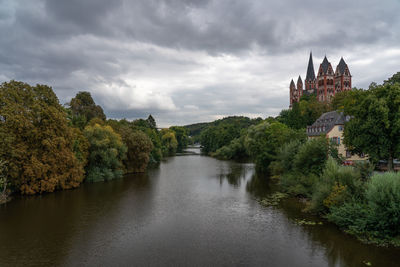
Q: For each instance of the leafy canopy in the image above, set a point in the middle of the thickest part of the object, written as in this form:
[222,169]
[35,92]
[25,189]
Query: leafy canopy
[375,125]
[263,141]
[37,142]
[106,153]
[83,109]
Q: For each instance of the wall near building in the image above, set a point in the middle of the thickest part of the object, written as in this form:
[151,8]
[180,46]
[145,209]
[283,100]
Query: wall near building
[337,134]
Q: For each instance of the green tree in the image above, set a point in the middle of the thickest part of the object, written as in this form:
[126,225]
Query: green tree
[284,162]
[347,100]
[106,153]
[375,125]
[303,113]
[221,132]
[181,134]
[152,122]
[146,128]
[235,150]
[311,156]
[155,137]
[139,147]
[392,80]
[169,142]
[37,142]
[83,109]
[264,140]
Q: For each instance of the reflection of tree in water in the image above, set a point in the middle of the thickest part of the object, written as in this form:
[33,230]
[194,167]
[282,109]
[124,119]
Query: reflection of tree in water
[340,249]
[259,185]
[233,172]
[41,230]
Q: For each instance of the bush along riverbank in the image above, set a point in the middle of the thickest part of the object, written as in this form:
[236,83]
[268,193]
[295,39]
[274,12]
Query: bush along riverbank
[359,202]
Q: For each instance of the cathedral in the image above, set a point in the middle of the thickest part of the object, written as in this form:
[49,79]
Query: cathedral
[325,85]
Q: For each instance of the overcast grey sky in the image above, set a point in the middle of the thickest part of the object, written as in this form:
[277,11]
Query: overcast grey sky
[191,61]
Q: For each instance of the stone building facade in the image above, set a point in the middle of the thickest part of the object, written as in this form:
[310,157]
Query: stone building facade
[325,85]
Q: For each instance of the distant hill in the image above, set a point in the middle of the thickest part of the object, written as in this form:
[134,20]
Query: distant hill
[196,128]
[239,121]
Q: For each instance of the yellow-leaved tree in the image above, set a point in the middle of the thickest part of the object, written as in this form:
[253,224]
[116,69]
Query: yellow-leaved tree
[37,142]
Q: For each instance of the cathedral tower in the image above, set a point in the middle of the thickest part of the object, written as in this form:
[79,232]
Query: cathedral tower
[325,85]
[293,93]
[325,81]
[309,82]
[299,87]
[342,77]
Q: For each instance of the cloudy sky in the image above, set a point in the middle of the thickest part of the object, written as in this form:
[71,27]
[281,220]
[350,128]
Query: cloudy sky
[187,61]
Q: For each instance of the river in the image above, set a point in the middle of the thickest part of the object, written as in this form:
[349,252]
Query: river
[192,210]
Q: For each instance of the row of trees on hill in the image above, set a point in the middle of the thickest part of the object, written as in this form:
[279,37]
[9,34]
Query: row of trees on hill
[47,147]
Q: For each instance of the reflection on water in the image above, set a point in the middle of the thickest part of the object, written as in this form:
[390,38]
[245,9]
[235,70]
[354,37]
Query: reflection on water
[234,172]
[191,210]
[259,185]
[339,249]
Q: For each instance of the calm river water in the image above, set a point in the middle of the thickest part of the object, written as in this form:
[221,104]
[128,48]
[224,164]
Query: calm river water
[190,211]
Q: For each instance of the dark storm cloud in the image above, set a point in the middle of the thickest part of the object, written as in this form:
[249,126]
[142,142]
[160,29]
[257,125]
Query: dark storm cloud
[216,26]
[192,60]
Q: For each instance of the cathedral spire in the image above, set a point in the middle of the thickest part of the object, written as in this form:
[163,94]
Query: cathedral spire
[310,69]
[299,80]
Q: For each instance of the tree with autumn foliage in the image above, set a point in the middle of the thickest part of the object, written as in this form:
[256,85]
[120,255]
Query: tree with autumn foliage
[4,191]
[37,142]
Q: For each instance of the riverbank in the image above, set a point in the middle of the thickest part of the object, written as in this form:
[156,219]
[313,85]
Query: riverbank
[366,209]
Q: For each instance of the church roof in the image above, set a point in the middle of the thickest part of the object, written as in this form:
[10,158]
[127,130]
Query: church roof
[325,65]
[310,69]
[292,83]
[342,66]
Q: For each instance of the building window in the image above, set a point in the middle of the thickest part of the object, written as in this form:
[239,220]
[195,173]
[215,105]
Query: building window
[335,140]
[348,154]
[340,128]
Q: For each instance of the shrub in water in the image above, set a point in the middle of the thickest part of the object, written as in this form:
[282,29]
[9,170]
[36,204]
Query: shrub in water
[376,216]
[352,216]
